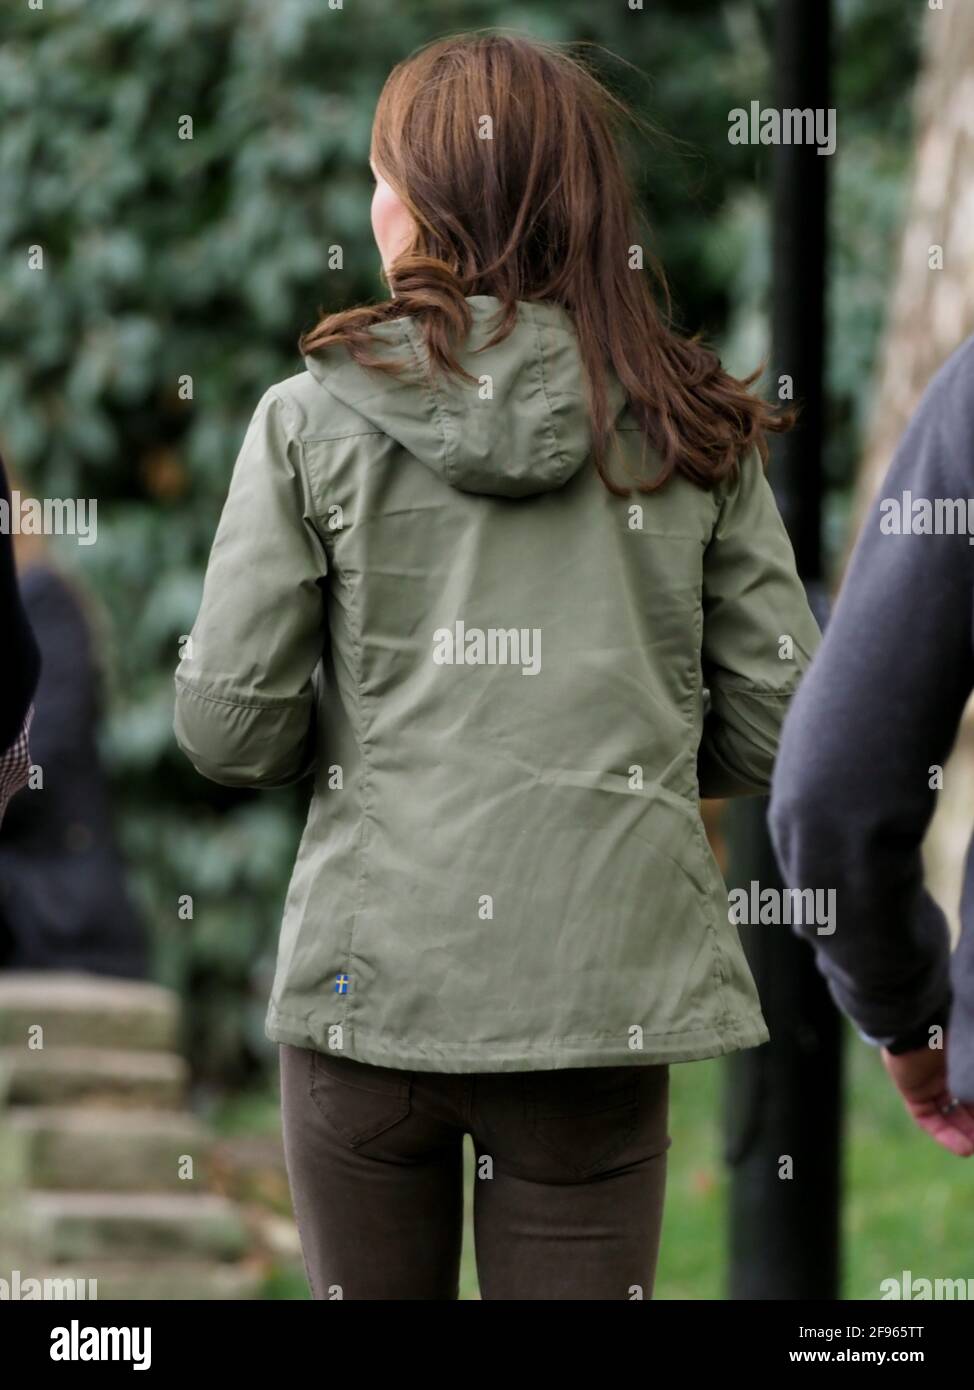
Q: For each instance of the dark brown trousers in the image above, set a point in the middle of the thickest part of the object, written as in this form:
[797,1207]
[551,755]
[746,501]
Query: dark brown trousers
[568,1189]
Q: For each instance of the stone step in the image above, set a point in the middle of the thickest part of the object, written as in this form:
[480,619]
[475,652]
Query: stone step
[14,1177]
[170,1280]
[14,1170]
[82,1227]
[67,1076]
[95,1148]
[87,1011]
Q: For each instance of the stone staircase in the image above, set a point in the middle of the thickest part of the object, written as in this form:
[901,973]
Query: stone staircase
[104,1174]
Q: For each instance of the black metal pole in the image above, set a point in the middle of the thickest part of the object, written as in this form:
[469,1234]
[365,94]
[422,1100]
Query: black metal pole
[783,1100]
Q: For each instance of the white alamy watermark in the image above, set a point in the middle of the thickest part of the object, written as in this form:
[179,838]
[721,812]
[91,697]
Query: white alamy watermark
[25,1288]
[491,646]
[77,1343]
[907,515]
[909,1286]
[50,516]
[762,907]
[757,125]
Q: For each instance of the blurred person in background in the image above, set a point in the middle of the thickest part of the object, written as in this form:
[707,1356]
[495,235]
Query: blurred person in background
[504,919]
[64,902]
[21,661]
[862,757]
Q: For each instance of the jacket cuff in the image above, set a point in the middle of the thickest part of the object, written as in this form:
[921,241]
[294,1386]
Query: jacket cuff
[257,742]
[915,1038]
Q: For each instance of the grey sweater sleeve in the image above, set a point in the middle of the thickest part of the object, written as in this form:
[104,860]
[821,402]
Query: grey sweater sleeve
[855,784]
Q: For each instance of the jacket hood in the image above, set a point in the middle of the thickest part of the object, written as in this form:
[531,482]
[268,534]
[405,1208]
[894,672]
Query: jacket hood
[520,429]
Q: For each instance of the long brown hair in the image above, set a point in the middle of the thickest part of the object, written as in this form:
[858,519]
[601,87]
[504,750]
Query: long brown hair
[541,209]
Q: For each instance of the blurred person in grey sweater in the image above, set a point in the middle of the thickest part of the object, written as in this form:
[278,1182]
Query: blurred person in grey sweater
[862,756]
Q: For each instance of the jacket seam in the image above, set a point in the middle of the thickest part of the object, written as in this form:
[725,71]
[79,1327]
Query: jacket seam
[288,409]
[267,702]
[719,969]
[334,438]
[669,535]
[691,705]
[718,962]
[353,405]
[427,384]
[541,1043]
[364,813]
[741,683]
[555,449]
[356,636]
[302,476]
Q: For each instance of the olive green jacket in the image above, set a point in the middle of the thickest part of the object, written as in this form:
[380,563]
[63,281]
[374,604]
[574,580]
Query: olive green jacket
[422,594]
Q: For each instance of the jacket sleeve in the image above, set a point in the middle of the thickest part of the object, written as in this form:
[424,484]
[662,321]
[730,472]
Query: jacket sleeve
[245,695]
[758,637]
[856,785]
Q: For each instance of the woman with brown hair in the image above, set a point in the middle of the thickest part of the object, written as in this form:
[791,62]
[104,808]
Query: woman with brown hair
[501,569]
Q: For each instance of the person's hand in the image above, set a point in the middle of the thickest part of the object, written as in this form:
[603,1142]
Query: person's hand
[921,1079]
